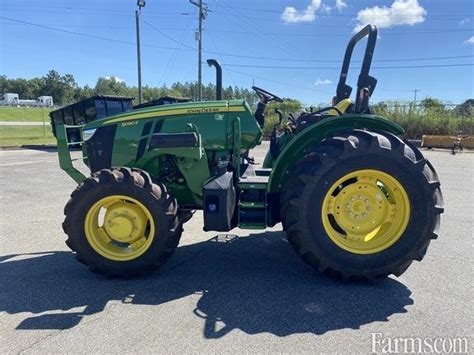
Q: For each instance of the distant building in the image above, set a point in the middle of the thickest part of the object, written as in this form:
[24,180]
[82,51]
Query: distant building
[11,99]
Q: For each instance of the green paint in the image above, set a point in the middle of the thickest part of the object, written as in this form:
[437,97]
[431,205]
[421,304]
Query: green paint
[64,155]
[223,128]
[295,148]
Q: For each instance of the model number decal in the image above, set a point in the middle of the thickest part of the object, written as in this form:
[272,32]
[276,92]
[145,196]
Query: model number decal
[130,123]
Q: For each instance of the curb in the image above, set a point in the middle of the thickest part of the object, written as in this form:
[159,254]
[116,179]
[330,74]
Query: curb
[30,146]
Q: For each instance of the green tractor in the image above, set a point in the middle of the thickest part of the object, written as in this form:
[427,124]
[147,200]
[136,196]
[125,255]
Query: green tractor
[356,199]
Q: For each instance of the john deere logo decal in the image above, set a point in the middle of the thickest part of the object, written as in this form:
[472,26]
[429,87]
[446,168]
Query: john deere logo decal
[203,110]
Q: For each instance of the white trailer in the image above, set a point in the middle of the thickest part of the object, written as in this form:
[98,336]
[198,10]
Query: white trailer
[45,101]
[11,99]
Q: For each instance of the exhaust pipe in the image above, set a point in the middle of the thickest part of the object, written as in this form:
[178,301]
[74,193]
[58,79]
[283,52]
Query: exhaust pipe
[215,63]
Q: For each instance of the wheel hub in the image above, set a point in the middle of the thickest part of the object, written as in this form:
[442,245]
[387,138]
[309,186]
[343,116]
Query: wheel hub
[124,222]
[125,231]
[360,207]
[366,211]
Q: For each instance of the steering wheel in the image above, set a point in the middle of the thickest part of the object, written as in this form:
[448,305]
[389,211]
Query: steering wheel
[266,96]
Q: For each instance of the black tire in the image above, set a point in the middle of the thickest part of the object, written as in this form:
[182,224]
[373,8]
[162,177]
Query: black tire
[337,156]
[136,184]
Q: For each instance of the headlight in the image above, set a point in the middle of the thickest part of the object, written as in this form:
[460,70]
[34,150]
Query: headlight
[88,133]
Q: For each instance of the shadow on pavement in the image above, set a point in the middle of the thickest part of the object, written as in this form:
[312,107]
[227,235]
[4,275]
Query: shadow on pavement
[255,284]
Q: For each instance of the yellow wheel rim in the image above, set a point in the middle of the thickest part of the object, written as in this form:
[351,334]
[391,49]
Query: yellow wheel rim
[365,211]
[119,227]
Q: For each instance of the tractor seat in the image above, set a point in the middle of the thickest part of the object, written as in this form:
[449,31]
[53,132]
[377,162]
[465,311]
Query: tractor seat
[343,106]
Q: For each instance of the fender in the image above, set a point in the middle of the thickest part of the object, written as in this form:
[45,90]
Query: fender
[313,134]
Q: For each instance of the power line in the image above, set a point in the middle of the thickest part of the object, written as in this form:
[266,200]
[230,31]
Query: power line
[180,15]
[21,7]
[124,14]
[324,35]
[75,9]
[67,31]
[272,19]
[175,53]
[338,61]
[278,82]
[189,48]
[338,68]
[166,36]
[334,14]
[394,32]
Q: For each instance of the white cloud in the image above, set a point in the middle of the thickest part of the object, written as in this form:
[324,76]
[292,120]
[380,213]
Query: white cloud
[401,12]
[323,82]
[464,21]
[116,78]
[291,15]
[469,40]
[340,5]
[326,9]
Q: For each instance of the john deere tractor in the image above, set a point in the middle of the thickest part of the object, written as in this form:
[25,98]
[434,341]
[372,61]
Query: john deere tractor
[356,199]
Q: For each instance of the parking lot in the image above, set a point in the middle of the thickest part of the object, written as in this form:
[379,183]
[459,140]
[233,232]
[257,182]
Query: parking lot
[241,292]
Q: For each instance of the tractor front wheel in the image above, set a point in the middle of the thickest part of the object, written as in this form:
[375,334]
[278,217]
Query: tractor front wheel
[121,223]
[362,205]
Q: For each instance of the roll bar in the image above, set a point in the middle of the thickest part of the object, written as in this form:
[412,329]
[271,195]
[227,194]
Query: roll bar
[215,63]
[366,83]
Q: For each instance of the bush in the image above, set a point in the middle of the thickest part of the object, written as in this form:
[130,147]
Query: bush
[429,117]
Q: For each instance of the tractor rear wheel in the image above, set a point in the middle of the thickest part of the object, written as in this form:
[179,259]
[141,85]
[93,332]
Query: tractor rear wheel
[362,205]
[121,223]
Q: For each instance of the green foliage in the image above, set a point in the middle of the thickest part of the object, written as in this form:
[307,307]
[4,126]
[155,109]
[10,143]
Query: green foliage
[111,86]
[429,117]
[466,109]
[62,88]
[65,90]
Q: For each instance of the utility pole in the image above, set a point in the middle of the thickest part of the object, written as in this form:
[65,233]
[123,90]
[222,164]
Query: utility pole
[415,91]
[202,16]
[140,4]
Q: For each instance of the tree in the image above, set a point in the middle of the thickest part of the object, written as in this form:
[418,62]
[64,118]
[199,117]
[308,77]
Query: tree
[83,93]
[432,105]
[466,109]
[61,88]
[110,85]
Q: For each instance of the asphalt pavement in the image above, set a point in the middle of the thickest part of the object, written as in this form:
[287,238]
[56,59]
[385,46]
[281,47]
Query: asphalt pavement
[245,291]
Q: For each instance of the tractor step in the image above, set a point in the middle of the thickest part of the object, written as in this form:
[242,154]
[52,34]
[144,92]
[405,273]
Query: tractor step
[263,172]
[252,226]
[253,201]
[249,204]
[253,182]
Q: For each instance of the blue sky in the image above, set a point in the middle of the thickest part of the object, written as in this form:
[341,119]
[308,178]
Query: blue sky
[280,33]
